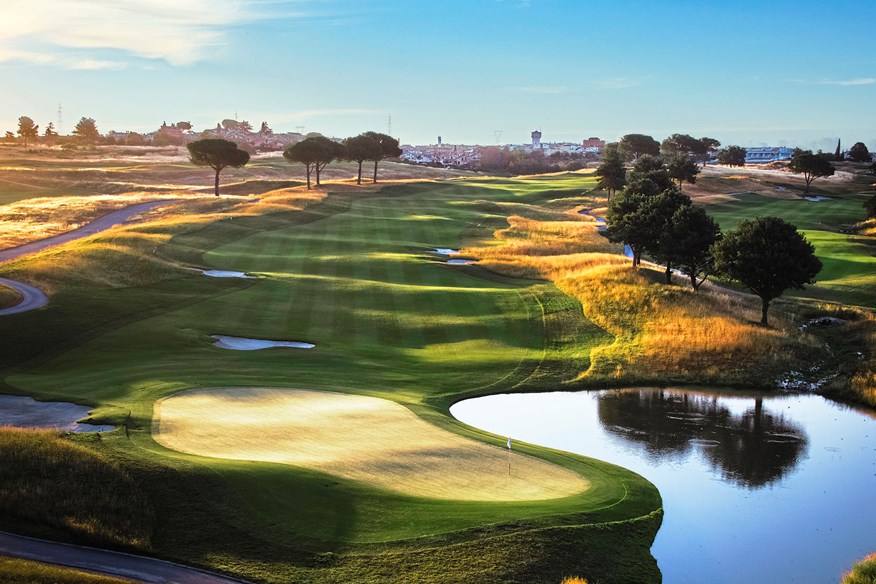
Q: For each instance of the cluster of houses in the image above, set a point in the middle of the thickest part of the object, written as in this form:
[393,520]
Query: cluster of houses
[465,156]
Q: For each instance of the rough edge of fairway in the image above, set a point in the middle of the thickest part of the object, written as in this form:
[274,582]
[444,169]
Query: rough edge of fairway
[367,439]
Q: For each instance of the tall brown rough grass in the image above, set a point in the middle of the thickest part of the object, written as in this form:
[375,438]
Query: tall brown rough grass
[864,572]
[660,332]
[51,482]
[27,572]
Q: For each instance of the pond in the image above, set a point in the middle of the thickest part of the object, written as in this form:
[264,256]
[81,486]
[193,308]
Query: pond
[756,487]
[25,412]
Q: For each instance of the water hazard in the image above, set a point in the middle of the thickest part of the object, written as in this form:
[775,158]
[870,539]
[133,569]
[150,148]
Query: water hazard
[25,412]
[756,487]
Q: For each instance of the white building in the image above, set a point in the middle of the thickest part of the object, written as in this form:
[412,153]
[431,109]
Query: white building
[763,154]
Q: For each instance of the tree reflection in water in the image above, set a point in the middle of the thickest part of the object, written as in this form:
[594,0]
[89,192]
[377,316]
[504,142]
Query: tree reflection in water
[751,450]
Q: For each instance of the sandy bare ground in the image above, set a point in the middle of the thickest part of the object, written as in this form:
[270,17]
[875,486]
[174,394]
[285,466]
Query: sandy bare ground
[366,439]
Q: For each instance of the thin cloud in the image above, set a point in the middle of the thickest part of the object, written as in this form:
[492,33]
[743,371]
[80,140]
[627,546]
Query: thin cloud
[180,33]
[543,90]
[849,82]
[619,83]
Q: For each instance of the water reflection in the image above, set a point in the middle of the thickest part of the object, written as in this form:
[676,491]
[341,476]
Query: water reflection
[752,448]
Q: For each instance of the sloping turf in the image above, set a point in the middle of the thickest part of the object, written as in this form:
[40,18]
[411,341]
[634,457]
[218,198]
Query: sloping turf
[355,277]
[849,273]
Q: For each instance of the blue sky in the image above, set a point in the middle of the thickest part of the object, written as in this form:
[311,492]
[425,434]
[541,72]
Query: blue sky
[798,72]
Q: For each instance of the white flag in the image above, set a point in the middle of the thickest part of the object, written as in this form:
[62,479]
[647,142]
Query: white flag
[509,443]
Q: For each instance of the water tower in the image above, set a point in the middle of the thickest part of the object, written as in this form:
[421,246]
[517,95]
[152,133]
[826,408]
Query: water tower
[536,139]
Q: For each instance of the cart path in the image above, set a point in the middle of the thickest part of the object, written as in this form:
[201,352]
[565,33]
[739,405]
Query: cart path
[34,298]
[136,568]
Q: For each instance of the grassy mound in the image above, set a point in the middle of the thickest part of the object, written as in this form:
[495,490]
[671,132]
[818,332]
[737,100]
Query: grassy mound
[60,487]
[8,297]
[27,572]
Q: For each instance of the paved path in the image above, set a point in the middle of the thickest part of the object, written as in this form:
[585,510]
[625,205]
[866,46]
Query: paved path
[137,568]
[34,297]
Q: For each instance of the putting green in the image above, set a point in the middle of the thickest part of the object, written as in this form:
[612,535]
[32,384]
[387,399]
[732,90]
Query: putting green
[366,439]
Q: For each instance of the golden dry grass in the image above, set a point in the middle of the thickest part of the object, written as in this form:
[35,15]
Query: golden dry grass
[658,329]
[573,580]
[32,219]
[366,439]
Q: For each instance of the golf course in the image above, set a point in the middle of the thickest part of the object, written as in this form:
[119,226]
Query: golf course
[334,457]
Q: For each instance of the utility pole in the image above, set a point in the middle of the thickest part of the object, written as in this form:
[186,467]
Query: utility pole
[299,129]
[60,120]
[498,134]
[389,125]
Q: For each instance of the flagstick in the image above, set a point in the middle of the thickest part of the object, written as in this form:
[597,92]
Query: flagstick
[509,457]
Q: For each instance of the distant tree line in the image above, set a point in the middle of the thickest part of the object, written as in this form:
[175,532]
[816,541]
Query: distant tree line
[315,152]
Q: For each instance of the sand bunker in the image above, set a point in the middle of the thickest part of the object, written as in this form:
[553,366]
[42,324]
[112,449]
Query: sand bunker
[817,198]
[460,262]
[245,344]
[225,274]
[366,439]
[26,412]
[445,251]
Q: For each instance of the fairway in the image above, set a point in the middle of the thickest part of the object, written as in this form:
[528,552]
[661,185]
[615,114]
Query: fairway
[365,439]
[849,273]
[398,336]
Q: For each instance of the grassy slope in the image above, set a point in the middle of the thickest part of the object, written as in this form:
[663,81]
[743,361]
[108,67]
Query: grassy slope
[849,273]
[27,572]
[353,276]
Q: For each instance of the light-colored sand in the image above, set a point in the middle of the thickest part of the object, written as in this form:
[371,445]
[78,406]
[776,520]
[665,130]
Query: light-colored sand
[366,439]
[245,344]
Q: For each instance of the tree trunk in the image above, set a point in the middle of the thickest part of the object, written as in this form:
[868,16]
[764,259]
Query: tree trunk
[217,183]
[669,272]
[308,176]
[693,282]
[764,307]
[375,171]
[359,178]
[808,180]
[317,173]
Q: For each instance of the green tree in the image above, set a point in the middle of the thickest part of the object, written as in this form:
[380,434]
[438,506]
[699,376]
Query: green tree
[361,148]
[859,153]
[638,214]
[86,131]
[870,204]
[811,165]
[184,126]
[711,145]
[389,148]
[769,256]
[873,169]
[27,129]
[682,144]
[732,156]
[314,153]
[687,240]
[635,145]
[50,134]
[683,168]
[838,155]
[217,154]
[652,168]
[611,172]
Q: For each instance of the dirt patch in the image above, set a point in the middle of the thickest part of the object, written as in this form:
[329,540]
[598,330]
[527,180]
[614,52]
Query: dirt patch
[366,439]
